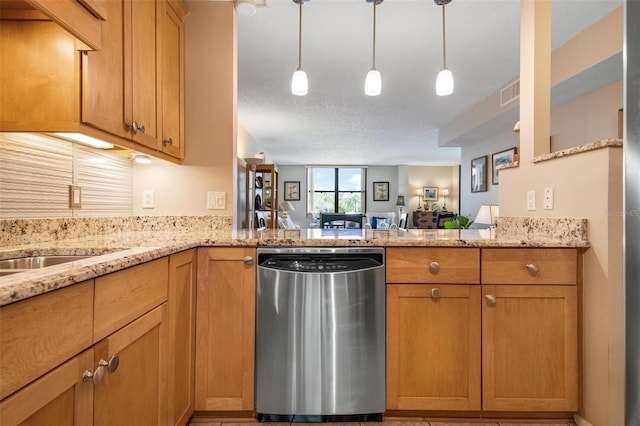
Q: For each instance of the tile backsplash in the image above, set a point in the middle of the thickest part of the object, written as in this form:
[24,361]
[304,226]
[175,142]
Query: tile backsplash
[36,171]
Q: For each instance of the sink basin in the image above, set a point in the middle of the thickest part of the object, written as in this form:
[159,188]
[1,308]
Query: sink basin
[12,266]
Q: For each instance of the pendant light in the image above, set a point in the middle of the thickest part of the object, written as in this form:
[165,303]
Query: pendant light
[299,83]
[373,82]
[444,81]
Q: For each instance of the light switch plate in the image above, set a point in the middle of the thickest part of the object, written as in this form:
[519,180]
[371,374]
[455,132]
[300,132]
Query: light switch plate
[531,200]
[216,200]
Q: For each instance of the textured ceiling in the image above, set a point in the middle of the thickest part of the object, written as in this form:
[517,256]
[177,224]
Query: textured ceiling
[336,123]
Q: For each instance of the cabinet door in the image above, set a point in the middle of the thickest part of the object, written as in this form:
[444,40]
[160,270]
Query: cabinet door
[135,393]
[40,89]
[182,336]
[142,102]
[529,348]
[58,398]
[103,76]
[172,64]
[225,330]
[433,347]
[119,82]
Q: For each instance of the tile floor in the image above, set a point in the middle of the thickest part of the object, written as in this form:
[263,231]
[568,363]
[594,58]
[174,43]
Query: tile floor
[384,424]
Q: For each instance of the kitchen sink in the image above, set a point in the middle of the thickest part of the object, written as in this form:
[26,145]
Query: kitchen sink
[12,266]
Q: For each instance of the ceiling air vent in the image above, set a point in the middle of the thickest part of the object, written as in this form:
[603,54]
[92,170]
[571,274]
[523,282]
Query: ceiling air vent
[510,93]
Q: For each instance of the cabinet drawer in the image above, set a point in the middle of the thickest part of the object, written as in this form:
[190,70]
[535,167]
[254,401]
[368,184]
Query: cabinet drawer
[529,266]
[123,296]
[433,265]
[42,332]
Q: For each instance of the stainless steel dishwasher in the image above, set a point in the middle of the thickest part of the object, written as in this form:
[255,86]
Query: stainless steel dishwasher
[320,334]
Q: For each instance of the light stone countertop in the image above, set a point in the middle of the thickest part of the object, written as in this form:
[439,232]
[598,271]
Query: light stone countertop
[119,251]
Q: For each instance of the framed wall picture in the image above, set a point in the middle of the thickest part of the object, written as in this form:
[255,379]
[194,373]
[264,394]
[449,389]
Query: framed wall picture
[430,193]
[292,190]
[479,174]
[380,191]
[498,159]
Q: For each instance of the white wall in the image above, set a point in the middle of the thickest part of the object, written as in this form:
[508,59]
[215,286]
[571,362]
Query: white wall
[470,202]
[588,118]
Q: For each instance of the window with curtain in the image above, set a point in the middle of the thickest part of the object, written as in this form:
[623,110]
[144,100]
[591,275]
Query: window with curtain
[336,189]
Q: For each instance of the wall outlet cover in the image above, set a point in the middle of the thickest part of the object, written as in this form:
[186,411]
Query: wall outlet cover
[75,196]
[216,200]
[547,199]
[147,199]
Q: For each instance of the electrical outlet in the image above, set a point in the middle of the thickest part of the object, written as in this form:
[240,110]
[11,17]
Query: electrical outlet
[147,199]
[75,197]
[531,200]
[548,199]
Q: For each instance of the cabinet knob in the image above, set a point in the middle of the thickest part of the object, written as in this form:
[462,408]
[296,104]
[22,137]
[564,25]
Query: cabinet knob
[112,364]
[248,260]
[135,127]
[168,141]
[96,377]
[491,299]
[533,269]
[434,267]
[435,293]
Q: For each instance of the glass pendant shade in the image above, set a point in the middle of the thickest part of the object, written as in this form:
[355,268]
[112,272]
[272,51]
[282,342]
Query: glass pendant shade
[444,83]
[373,83]
[299,83]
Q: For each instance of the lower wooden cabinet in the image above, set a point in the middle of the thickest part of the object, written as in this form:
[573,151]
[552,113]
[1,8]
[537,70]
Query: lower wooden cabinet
[182,336]
[225,333]
[530,348]
[60,397]
[135,393]
[433,347]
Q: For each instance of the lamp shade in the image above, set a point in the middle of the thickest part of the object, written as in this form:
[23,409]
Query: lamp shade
[444,83]
[245,7]
[373,83]
[299,83]
[487,214]
[445,192]
[400,202]
[286,206]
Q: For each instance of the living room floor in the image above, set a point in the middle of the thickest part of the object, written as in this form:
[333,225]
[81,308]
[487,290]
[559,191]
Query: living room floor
[385,424]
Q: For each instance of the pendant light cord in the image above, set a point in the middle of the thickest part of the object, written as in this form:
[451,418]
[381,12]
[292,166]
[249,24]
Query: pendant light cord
[375,4]
[444,43]
[300,38]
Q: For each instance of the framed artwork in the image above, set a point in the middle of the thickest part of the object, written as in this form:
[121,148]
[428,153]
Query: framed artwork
[499,158]
[380,191]
[292,190]
[430,193]
[479,174]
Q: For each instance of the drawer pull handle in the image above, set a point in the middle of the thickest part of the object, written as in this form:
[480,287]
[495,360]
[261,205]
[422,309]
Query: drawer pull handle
[533,269]
[434,267]
[491,299]
[435,293]
[248,260]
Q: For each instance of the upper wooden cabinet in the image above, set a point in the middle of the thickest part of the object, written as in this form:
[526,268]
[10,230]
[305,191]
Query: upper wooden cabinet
[130,93]
[81,18]
[119,90]
[172,14]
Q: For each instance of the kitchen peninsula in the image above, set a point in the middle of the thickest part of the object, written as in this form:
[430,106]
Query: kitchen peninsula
[140,296]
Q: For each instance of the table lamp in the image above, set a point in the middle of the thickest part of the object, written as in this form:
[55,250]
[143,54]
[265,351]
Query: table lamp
[445,192]
[487,215]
